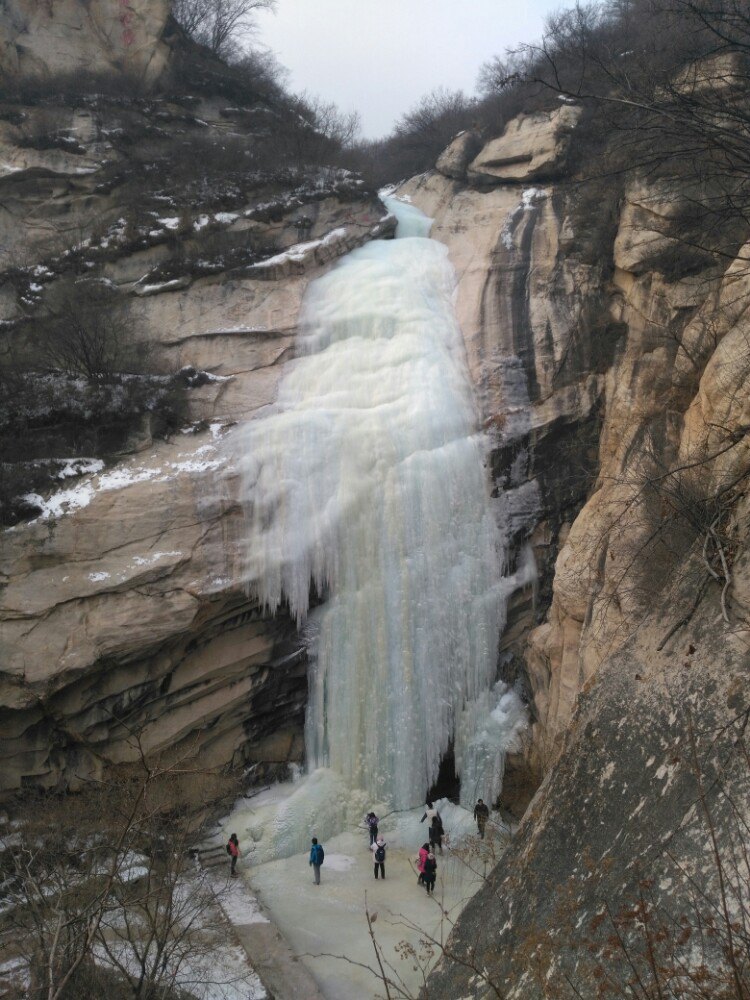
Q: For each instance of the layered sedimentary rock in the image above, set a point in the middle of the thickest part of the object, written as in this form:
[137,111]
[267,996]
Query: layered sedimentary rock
[122,612]
[601,358]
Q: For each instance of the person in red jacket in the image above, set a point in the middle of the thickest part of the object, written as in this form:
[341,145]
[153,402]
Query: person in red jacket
[424,851]
[233,850]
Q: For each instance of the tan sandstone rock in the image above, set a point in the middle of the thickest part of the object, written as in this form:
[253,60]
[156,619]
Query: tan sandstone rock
[456,157]
[533,147]
[46,37]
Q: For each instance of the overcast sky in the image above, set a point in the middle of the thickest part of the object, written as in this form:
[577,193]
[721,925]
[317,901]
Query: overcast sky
[379,57]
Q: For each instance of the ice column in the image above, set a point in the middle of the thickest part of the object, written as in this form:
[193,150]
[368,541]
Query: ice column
[368,480]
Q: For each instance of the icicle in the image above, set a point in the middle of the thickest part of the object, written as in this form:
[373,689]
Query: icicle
[369,481]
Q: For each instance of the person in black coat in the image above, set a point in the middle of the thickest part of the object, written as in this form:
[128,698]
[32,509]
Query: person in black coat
[481,815]
[430,873]
[436,833]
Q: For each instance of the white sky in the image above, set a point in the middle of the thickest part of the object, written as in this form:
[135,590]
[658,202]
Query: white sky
[379,57]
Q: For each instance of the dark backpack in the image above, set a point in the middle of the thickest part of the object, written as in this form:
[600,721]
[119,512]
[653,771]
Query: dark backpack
[229,849]
[318,854]
[380,855]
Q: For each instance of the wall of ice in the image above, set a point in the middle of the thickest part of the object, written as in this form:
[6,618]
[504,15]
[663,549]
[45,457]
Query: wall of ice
[369,482]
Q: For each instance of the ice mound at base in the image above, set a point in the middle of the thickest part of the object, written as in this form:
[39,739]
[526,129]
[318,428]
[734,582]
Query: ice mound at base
[280,822]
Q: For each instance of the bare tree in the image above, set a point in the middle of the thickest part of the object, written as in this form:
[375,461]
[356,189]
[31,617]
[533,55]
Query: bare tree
[431,124]
[220,24]
[105,894]
[87,333]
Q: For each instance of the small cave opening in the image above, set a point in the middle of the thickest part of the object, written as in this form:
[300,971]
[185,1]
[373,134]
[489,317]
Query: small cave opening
[447,784]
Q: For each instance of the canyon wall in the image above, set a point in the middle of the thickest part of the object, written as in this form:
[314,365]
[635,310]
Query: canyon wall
[603,362]
[632,352]
[124,622]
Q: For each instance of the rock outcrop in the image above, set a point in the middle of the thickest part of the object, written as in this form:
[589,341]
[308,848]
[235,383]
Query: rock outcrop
[455,158]
[45,38]
[533,147]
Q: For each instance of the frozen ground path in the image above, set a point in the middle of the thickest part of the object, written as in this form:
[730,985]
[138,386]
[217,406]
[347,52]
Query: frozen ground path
[268,953]
[329,919]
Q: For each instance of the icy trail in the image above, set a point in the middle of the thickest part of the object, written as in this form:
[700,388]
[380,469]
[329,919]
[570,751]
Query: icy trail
[369,481]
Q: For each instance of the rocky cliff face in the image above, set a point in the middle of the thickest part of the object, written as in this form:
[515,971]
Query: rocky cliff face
[122,610]
[41,38]
[613,370]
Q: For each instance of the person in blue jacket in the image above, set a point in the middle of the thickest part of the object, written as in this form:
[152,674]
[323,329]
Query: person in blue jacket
[316,858]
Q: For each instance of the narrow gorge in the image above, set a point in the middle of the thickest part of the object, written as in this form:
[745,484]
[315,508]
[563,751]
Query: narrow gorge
[377,493]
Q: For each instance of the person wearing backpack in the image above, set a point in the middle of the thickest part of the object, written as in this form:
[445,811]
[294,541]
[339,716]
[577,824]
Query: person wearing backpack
[372,824]
[233,850]
[430,873]
[317,854]
[378,851]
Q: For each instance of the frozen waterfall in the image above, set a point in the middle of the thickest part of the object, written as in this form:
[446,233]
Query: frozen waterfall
[368,481]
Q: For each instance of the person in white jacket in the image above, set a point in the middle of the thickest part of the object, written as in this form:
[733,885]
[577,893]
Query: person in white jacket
[378,854]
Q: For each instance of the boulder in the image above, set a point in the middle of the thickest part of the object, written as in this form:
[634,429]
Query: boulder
[456,157]
[533,147]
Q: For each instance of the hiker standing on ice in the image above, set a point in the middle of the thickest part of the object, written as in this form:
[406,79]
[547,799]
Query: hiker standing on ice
[424,852]
[481,815]
[436,832]
[317,854]
[233,850]
[430,812]
[430,873]
[372,821]
[378,853]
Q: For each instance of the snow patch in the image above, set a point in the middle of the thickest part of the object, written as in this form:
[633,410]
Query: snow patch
[118,479]
[299,251]
[154,557]
[79,467]
[531,195]
[165,286]
[240,905]
[199,466]
[62,502]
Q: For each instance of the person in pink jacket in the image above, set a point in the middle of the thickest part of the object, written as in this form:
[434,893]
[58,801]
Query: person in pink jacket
[424,852]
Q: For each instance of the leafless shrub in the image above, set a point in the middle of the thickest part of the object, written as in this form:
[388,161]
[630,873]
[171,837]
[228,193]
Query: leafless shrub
[220,25]
[103,894]
[87,333]
[417,139]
